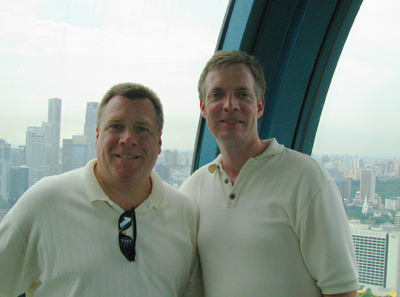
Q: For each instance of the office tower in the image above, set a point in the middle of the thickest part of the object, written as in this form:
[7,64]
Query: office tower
[163,172]
[397,222]
[367,185]
[167,157]
[66,159]
[348,162]
[378,257]
[174,159]
[19,182]
[334,172]
[18,156]
[5,161]
[90,130]
[36,139]
[391,204]
[78,159]
[361,163]
[53,127]
[344,186]
[325,159]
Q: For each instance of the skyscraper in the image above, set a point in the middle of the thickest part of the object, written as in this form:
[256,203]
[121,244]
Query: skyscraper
[36,139]
[397,222]
[19,182]
[53,127]
[367,185]
[5,160]
[174,159]
[79,145]
[66,160]
[378,257]
[90,130]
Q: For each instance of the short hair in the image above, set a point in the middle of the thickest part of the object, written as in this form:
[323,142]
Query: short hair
[228,58]
[133,91]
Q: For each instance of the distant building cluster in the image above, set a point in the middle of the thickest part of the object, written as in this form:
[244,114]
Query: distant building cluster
[174,166]
[346,168]
[377,247]
[42,155]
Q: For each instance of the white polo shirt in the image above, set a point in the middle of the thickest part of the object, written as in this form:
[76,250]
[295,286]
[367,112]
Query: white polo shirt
[281,230]
[61,239]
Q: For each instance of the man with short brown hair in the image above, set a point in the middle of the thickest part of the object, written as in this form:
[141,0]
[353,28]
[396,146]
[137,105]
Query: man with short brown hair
[271,220]
[112,228]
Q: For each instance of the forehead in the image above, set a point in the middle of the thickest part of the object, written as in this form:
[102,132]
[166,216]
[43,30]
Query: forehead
[121,108]
[237,76]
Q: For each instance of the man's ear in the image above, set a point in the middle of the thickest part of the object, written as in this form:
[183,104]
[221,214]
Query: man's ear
[260,108]
[159,143]
[203,109]
[97,137]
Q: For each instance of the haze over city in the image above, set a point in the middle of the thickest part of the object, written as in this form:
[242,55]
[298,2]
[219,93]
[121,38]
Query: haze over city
[76,51]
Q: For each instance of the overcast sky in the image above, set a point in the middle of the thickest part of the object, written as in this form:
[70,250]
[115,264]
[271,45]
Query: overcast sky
[362,110]
[77,49]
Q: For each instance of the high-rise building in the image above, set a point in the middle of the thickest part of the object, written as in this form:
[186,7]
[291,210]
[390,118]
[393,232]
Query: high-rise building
[348,162]
[167,157]
[19,182]
[367,185]
[18,156]
[174,159]
[90,130]
[5,162]
[397,222]
[36,140]
[344,186]
[78,159]
[378,257]
[162,171]
[53,127]
[66,160]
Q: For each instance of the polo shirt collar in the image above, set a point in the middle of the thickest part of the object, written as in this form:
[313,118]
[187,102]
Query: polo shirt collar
[94,191]
[274,148]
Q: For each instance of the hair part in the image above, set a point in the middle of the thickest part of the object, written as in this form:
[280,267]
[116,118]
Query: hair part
[228,58]
[133,91]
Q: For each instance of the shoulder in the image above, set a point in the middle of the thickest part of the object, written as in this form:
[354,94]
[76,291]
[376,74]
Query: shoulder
[177,196]
[303,164]
[49,188]
[197,180]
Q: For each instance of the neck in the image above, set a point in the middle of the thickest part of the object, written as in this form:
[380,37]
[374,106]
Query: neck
[234,156]
[125,194]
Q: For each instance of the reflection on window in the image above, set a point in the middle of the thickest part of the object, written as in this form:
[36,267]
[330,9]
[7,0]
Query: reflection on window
[58,58]
[358,140]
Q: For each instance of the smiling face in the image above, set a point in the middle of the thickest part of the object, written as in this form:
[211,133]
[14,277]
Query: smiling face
[127,141]
[230,106]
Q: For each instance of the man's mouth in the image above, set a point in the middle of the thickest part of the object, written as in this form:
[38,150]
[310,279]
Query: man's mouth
[231,121]
[127,157]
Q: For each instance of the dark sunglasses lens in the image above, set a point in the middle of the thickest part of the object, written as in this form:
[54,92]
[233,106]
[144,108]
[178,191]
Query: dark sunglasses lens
[127,243]
[125,221]
[127,247]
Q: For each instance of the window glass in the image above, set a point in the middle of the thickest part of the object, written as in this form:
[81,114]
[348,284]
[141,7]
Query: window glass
[76,50]
[358,138]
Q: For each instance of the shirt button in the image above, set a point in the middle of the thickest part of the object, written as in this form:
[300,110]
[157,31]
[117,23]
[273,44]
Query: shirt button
[232,196]
[226,180]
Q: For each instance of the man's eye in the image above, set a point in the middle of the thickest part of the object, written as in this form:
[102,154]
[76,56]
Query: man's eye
[216,96]
[244,95]
[142,129]
[116,127]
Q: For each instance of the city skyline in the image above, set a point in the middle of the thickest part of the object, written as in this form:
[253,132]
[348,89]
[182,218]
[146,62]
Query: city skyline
[77,53]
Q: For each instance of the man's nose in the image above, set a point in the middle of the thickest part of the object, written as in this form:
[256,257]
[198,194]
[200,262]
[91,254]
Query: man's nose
[231,103]
[128,138]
